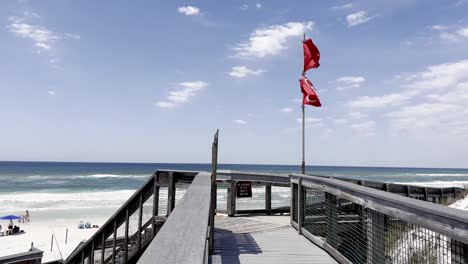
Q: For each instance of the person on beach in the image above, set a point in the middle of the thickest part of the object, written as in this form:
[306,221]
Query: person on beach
[2,232]
[26,216]
[10,225]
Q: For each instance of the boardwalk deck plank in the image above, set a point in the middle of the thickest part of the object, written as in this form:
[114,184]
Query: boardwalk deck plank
[263,240]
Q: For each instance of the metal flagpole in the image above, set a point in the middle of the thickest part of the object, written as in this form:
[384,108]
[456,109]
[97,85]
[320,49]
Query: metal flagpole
[303,138]
[303,126]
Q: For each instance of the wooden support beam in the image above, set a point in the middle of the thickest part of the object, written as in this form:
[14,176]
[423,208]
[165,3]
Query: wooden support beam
[103,242]
[300,206]
[126,236]
[268,199]
[114,240]
[171,192]
[140,221]
[231,198]
[155,201]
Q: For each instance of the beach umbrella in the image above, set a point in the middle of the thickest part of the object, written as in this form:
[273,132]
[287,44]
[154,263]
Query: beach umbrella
[9,217]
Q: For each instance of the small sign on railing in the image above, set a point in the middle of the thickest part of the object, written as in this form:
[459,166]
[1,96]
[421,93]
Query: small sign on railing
[244,189]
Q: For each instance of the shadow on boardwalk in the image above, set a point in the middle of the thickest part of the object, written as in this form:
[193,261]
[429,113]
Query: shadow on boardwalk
[229,246]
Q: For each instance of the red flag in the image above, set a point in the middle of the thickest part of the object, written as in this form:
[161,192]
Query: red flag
[311,55]
[310,95]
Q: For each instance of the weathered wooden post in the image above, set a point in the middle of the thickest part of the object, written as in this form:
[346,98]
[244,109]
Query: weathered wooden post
[66,236]
[300,206]
[214,167]
[231,198]
[51,242]
[268,199]
[171,193]
[155,201]
[140,221]
[332,219]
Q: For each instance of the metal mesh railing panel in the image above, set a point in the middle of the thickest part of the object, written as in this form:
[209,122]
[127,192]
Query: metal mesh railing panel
[221,196]
[314,212]
[256,202]
[294,202]
[363,235]
[280,197]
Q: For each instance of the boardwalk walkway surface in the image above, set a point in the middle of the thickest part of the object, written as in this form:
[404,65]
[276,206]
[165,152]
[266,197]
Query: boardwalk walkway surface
[263,239]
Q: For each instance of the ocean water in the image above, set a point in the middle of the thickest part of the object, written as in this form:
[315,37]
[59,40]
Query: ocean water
[85,188]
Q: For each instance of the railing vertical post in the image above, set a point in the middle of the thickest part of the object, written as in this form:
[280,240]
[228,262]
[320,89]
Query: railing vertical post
[300,205]
[114,241]
[268,199]
[376,237]
[292,205]
[332,219]
[126,236]
[214,170]
[408,190]
[171,191]
[140,221]
[91,254]
[426,197]
[155,201]
[231,198]
[103,243]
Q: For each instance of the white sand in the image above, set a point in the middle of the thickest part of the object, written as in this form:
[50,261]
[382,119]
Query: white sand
[40,233]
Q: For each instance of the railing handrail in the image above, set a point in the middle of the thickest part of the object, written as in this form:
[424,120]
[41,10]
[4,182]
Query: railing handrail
[448,221]
[32,254]
[183,238]
[235,175]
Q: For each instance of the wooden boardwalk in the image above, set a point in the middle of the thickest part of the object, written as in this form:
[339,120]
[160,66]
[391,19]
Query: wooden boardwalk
[263,239]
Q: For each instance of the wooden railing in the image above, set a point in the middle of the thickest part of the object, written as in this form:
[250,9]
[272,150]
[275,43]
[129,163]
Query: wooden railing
[184,236]
[357,224]
[33,256]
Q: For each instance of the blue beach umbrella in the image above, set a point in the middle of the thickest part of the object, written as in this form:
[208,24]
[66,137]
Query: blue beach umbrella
[9,217]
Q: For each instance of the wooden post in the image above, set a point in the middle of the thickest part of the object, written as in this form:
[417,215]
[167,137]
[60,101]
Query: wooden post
[408,191]
[268,199]
[376,238]
[231,198]
[426,197]
[214,169]
[387,187]
[114,241]
[140,221]
[332,218]
[66,236]
[299,206]
[171,192]
[91,254]
[103,244]
[126,236]
[292,207]
[51,242]
[155,201]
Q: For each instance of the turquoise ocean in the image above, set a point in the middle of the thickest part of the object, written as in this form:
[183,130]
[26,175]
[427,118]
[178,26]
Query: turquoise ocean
[72,189]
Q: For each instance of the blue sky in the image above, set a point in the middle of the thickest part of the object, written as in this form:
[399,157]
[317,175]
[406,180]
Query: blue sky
[150,81]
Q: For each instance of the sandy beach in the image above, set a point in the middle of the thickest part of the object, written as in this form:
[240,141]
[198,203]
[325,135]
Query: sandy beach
[40,231]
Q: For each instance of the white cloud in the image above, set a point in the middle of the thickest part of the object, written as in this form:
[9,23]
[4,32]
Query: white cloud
[189,10]
[365,128]
[340,121]
[286,110]
[439,27]
[380,101]
[271,40]
[347,82]
[357,18]
[357,115]
[310,120]
[258,5]
[243,71]
[344,7]
[72,36]
[42,37]
[244,7]
[51,92]
[440,76]
[451,33]
[182,94]
[240,122]
[446,117]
